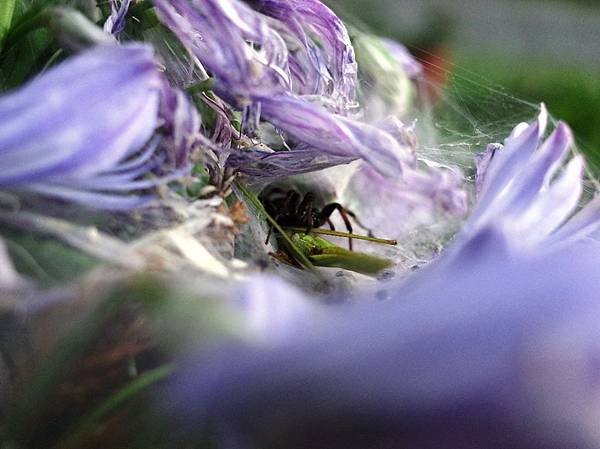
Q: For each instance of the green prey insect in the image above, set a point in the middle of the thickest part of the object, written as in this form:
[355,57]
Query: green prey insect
[294,224]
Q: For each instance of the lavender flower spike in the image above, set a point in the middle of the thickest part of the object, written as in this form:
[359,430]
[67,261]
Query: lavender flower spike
[73,132]
[496,344]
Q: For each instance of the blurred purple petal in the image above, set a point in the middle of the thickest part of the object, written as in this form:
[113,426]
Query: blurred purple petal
[409,64]
[273,310]
[584,223]
[458,358]
[494,344]
[83,141]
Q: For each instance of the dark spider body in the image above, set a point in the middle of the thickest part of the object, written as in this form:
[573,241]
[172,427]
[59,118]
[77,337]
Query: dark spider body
[289,209]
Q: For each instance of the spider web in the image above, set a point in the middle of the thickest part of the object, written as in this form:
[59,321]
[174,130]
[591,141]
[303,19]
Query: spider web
[458,118]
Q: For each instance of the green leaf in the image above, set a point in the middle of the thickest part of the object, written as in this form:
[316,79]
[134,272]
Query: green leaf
[48,261]
[7,9]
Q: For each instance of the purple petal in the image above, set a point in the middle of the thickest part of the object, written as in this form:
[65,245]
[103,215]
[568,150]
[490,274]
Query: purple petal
[482,162]
[115,24]
[78,130]
[409,64]
[281,164]
[517,149]
[331,64]
[521,194]
[458,358]
[181,125]
[584,223]
[82,143]
[314,126]
[217,32]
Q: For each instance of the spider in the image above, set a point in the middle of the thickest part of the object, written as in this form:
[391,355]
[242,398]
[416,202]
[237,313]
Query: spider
[289,209]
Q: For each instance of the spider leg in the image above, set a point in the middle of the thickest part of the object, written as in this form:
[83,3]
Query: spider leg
[306,211]
[356,220]
[276,217]
[328,210]
[269,235]
[330,223]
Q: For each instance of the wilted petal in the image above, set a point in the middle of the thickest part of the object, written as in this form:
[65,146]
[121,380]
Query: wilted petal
[249,61]
[279,164]
[395,206]
[327,57]
[335,135]
[115,23]
[218,33]
[181,124]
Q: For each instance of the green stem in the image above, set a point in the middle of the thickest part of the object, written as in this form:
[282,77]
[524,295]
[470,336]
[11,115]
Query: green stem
[346,235]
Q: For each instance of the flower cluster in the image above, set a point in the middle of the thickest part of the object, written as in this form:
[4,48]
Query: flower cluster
[492,342]
[90,139]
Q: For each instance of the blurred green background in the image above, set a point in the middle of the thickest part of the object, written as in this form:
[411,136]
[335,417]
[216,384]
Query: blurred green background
[502,51]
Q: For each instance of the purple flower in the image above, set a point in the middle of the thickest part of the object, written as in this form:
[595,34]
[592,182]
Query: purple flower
[495,344]
[322,62]
[315,127]
[218,33]
[425,193]
[89,140]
